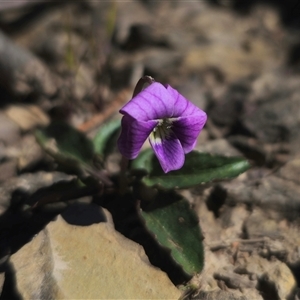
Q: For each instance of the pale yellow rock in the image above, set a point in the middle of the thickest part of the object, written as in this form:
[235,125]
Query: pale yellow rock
[33,265]
[283,279]
[87,262]
[230,46]
[291,170]
[27,116]
[2,278]
[230,59]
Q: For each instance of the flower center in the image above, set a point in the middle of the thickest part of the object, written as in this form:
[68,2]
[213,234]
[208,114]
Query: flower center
[163,130]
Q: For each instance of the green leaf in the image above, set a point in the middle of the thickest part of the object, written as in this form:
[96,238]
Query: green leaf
[176,227]
[106,137]
[198,168]
[65,143]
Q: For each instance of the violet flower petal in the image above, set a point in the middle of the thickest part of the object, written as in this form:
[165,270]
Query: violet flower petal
[134,134]
[182,106]
[168,151]
[154,102]
[188,128]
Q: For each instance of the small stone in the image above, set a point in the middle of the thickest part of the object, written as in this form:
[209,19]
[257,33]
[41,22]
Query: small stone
[27,116]
[291,170]
[227,295]
[273,272]
[8,169]
[260,225]
[9,131]
[87,262]
[281,276]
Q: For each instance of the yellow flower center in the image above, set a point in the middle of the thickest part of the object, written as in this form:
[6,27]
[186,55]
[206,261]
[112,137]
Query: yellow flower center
[162,131]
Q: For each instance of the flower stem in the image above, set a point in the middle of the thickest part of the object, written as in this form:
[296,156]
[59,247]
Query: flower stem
[145,80]
[123,182]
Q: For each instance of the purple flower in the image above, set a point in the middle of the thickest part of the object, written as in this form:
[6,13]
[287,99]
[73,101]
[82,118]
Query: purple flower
[171,122]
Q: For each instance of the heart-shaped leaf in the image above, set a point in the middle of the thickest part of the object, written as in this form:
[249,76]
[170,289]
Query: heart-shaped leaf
[106,137]
[65,143]
[198,168]
[175,226]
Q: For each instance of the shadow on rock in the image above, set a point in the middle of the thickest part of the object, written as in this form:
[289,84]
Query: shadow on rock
[83,214]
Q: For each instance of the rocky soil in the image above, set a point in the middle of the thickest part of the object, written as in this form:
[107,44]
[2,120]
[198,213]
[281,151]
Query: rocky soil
[78,62]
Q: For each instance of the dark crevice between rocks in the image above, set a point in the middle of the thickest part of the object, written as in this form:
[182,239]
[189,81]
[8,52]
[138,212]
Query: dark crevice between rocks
[141,36]
[9,290]
[28,213]
[267,289]
[17,235]
[216,200]
[293,57]
[19,225]
[251,153]
[238,128]
[244,234]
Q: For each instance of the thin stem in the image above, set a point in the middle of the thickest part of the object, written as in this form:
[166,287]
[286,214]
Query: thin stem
[100,175]
[123,182]
[141,84]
